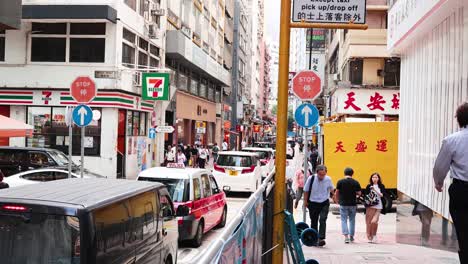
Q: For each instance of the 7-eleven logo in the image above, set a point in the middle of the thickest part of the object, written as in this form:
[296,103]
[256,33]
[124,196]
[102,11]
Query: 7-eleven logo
[155,86]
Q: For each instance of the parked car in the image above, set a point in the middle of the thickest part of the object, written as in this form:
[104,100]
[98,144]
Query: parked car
[88,221]
[266,156]
[43,175]
[200,204]
[238,171]
[18,159]
[265,144]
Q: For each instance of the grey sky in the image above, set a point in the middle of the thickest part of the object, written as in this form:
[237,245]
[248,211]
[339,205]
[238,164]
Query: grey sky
[272,18]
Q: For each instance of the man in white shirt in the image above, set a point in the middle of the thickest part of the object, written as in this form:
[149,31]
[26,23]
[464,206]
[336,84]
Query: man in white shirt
[317,192]
[225,146]
[453,156]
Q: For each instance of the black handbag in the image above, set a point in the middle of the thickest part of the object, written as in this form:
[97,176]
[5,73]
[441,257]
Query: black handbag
[371,198]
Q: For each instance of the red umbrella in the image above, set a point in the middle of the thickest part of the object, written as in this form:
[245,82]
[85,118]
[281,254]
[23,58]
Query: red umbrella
[14,128]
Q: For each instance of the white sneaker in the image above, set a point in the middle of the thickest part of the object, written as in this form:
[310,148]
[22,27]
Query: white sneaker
[374,240]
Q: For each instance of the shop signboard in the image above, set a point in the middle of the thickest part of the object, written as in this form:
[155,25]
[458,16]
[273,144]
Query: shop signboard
[320,11]
[366,101]
[164,129]
[155,86]
[200,127]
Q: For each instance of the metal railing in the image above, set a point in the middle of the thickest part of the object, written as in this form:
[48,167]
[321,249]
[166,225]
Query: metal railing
[264,192]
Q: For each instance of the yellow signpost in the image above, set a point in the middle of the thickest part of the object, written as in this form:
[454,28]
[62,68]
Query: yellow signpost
[282,122]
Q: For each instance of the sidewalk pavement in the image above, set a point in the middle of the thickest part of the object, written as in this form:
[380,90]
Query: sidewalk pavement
[385,251]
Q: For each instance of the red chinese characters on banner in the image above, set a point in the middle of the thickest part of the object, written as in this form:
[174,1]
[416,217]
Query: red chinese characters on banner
[376,102]
[396,101]
[382,145]
[339,147]
[350,102]
[361,146]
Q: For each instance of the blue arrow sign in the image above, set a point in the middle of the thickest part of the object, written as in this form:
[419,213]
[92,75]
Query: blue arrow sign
[152,133]
[82,115]
[306,115]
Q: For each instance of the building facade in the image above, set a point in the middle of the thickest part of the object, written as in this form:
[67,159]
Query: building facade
[195,53]
[362,76]
[241,95]
[112,42]
[432,38]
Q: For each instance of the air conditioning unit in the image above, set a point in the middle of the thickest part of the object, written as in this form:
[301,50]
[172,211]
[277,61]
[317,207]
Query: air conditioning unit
[157,11]
[381,73]
[336,77]
[137,79]
[154,32]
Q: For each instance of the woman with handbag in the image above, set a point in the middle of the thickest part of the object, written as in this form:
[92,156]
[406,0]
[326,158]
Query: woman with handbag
[375,205]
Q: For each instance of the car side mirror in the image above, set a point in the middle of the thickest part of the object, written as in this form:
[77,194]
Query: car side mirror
[183,210]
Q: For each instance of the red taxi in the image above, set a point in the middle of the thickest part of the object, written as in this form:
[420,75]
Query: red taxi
[199,202]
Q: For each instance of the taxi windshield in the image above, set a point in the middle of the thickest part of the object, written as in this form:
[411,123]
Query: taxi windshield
[261,154]
[39,238]
[178,188]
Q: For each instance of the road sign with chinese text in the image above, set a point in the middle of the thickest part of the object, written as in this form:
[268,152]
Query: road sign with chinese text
[155,86]
[83,89]
[164,129]
[307,85]
[320,11]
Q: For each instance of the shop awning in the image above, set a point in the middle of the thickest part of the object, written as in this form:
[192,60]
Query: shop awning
[14,128]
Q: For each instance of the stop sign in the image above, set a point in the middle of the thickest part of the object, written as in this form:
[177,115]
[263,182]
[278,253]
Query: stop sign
[307,85]
[83,89]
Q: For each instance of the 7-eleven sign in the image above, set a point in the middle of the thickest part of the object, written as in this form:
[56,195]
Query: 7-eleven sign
[155,86]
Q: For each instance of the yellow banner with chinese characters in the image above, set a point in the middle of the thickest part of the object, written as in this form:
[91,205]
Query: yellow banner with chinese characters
[365,147]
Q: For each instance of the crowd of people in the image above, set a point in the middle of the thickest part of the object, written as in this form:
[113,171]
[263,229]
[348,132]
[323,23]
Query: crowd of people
[196,156]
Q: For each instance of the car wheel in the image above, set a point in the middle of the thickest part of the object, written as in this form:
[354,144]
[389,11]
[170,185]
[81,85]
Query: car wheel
[197,240]
[223,218]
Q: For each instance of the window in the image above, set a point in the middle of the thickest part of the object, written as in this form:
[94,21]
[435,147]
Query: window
[144,208]
[50,131]
[85,42]
[355,71]
[214,185]
[392,72]
[136,123]
[235,161]
[2,45]
[167,212]
[206,185]
[38,158]
[178,188]
[111,225]
[48,49]
[196,189]
[194,81]
[80,50]
[128,55]
[131,3]
[138,52]
[58,236]
[203,88]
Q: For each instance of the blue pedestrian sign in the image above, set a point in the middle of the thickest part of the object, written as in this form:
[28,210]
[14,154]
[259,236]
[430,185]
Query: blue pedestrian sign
[152,133]
[82,115]
[306,115]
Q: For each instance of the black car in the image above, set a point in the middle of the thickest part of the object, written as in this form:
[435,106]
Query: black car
[17,159]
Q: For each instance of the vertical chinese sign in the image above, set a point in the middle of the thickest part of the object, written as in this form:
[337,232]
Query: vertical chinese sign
[366,147]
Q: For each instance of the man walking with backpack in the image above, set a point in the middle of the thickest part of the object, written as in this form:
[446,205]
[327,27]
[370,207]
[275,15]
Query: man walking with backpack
[347,190]
[317,191]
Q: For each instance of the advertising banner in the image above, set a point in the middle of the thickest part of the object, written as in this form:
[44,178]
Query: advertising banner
[366,147]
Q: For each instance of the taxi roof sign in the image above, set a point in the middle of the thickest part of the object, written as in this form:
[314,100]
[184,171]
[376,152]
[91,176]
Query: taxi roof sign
[175,166]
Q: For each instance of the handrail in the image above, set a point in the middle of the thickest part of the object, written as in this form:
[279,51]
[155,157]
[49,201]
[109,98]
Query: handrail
[210,253]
